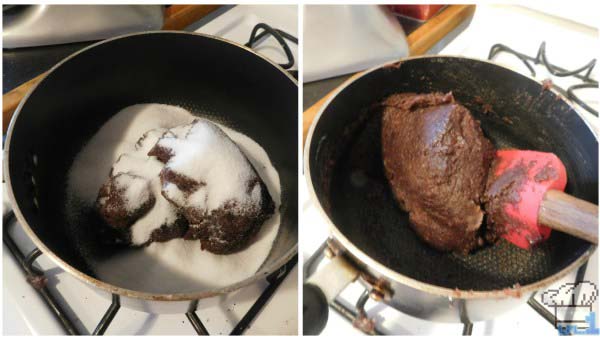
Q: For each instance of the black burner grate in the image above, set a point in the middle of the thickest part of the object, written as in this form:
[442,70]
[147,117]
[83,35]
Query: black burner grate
[582,73]
[37,279]
[281,37]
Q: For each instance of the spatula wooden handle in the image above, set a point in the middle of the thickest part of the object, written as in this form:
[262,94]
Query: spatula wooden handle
[570,215]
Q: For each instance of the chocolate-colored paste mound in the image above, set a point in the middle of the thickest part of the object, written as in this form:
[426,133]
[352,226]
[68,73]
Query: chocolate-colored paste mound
[114,204]
[131,203]
[436,159]
[210,180]
[192,182]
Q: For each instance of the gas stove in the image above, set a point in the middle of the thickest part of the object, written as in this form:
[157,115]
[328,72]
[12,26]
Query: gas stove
[540,45]
[42,299]
[537,44]
[64,305]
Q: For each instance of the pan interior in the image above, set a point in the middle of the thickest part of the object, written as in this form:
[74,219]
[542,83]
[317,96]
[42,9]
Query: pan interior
[206,76]
[347,169]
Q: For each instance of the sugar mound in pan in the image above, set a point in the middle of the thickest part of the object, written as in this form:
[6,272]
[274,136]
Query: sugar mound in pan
[117,136]
[138,163]
[187,267]
[135,190]
[203,153]
[124,199]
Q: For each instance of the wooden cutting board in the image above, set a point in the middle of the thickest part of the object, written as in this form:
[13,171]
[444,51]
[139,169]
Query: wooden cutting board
[419,42]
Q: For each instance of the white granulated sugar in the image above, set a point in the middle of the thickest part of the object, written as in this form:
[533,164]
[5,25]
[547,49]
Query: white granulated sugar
[149,139]
[177,196]
[136,191]
[205,154]
[138,163]
[118,136]
[178,265]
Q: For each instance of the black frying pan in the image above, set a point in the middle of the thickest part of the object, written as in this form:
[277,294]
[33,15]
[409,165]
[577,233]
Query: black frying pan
[345,173]
[208,76]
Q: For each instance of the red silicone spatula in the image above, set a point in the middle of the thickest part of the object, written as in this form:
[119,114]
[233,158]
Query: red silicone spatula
[528,188]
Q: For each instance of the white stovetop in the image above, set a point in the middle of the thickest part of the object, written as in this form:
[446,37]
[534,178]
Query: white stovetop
[522,29]
[237,23]
[25,313]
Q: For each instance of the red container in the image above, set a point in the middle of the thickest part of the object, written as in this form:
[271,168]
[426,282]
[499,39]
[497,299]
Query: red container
[419,12]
